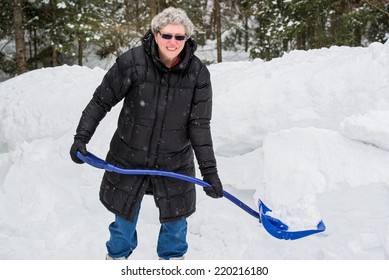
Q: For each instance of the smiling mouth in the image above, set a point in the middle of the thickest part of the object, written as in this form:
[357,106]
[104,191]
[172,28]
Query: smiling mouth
[171,49]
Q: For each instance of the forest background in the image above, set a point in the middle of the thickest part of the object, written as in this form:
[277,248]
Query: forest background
[45,33]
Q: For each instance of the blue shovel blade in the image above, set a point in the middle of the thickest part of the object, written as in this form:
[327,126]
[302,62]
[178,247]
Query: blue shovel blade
[280,230]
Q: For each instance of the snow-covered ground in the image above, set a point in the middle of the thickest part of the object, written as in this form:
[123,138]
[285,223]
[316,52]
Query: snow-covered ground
[307,133]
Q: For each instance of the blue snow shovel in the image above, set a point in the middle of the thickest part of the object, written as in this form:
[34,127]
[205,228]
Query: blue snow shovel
[272,225]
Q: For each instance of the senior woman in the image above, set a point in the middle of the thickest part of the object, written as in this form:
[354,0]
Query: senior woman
[166,113]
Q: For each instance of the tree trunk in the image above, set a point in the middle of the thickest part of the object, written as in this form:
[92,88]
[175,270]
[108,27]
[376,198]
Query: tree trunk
[80,51]
[54,51]
[21,64]
[218,31]
[154,7]
[80,41]
[35,49]
[246,31]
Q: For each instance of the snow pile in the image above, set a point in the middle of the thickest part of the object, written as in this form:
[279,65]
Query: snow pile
[371,128]
[306,133]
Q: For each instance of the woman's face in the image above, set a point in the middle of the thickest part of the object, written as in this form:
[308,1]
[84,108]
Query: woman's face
[169,49]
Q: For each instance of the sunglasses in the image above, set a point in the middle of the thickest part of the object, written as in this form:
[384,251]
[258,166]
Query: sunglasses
[169,37]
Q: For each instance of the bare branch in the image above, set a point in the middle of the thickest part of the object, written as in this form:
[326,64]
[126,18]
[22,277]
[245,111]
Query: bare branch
[383,8]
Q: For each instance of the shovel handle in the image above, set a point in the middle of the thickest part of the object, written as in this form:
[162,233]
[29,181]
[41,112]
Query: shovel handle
[97,162]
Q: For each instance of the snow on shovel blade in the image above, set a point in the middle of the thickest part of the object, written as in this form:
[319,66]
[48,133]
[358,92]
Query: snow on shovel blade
[280,230]
[273,226]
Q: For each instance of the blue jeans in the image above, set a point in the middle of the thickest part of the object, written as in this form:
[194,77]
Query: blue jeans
[171,240]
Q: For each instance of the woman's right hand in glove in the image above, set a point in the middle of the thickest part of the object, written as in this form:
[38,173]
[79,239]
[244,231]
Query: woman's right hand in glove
[78,145]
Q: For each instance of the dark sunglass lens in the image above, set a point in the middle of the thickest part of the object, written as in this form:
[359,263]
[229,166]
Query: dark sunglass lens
[180,37]
[166,36]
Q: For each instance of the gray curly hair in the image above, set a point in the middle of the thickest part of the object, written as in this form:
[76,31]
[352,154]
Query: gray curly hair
[174,16]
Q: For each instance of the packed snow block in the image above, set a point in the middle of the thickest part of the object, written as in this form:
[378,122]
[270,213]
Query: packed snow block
[318,88]
[302,163]
[45,102]
[370,128]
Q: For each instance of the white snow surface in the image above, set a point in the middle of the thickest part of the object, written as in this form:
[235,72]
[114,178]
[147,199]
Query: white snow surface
[307,133]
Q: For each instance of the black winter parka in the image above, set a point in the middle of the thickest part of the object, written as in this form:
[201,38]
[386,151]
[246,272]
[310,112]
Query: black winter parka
[166,115]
